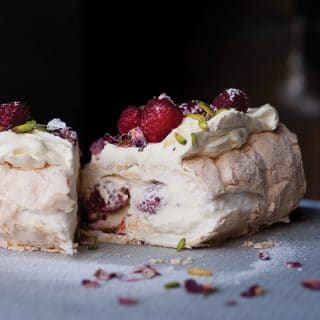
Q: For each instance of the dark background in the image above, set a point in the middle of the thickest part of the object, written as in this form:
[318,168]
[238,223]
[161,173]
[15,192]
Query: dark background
[84,63]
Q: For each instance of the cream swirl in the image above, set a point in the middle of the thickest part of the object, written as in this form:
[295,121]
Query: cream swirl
[35,150]
[227,130]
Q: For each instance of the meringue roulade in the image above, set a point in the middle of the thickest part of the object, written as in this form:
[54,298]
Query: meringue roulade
[221,171]
[39,167]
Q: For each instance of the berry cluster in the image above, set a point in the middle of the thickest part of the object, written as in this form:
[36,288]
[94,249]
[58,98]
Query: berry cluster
[151,198]
[152,122]
[16,116]
[105,197]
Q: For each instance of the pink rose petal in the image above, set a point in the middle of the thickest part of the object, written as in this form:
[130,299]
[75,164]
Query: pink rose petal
[127,301]
[313,284]
[104,275]
[231,303]
[264,255]
[294,264]
[90,283]
[253,291]
[147,271]
[192,286]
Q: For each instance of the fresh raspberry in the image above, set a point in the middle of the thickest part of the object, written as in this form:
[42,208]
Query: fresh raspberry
[129,119]
[151,198]
[190,107]
[231,98]
[164,96]
[106,197]
[13,114]
[159,117]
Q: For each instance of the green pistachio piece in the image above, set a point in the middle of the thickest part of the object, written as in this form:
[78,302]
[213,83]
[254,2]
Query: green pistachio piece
[172,285]
[181,244]
[202,122]
[26,127]
[194,139]
[206,108]
[195,116]
[41,127]
[180,138]
[93,246]
[219,111]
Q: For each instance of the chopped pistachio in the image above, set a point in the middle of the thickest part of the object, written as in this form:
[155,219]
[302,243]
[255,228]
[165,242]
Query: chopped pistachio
[194,139]
[219,111]
[26,127]
[202,122]
[195,116]
[206,108]
[181,244]
[180,138]
[172,285]
[77,236]
[93,246]
[199,272]
[87,234]
[41,127]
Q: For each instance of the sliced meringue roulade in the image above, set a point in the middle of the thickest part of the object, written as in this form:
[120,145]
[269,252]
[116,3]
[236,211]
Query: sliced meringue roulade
[241,173]
[38,185]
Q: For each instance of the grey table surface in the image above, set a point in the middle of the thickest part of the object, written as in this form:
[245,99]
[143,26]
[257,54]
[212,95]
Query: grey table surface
[39,285]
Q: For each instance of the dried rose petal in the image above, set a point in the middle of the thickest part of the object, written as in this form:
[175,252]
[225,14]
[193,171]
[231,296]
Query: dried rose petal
[313,284]
[264,255]
[97,146]
[127,301]
[137,138]
[231,303]
[130,278]
[104,275]
[208,289]
[294,264]
[255,290]
[112,139]
[192,286]
[147,271]
[90,283]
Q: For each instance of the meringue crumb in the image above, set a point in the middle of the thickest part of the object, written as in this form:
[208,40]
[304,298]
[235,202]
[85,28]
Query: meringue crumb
[265,244]
[246,244]
[179,260]
[174,261]
[156,261]
[259,245]
[188,260]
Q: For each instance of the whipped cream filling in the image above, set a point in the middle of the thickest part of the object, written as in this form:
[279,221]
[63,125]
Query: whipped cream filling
[35,150]
[228,130]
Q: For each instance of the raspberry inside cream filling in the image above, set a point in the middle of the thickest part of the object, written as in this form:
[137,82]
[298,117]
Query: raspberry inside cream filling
[244,171]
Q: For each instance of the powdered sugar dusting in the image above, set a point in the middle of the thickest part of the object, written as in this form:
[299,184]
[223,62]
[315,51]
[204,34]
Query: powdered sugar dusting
[257,268]
[232,92]
[165,96]
[56,124]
